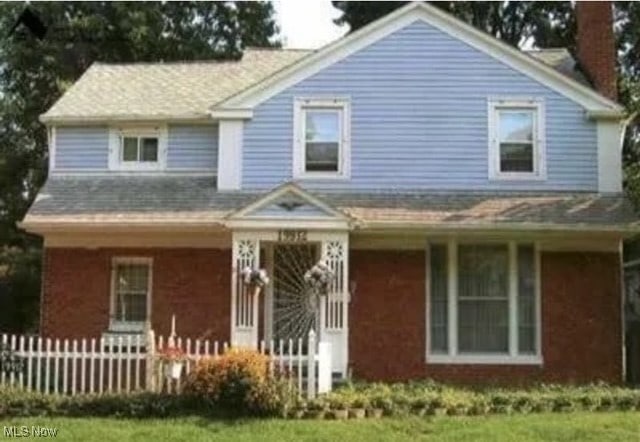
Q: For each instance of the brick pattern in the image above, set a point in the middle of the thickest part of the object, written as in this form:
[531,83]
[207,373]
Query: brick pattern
[193,284]
[596,45]
[581,326]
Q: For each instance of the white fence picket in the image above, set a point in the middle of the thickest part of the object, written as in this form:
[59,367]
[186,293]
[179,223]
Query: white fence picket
[65,366]
[92,365]
[29,356]
[56,365]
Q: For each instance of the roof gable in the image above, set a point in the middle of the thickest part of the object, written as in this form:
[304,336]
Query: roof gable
[418,11]
[291,203]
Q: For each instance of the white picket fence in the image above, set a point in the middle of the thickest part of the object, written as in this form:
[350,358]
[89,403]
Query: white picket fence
[123,364]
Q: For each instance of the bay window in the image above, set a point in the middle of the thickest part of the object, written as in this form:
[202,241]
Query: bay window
[483,303]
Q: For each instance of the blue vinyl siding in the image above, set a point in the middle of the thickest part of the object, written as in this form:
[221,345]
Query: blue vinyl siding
[419,120]
[193,147]
[189,147]
[83,148]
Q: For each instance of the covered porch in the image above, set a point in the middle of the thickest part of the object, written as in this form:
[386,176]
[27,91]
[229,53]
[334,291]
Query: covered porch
[286,234]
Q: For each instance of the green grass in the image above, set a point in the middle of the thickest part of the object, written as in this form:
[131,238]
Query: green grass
[599,427]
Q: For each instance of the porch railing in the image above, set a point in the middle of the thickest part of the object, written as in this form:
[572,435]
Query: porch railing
[129,363]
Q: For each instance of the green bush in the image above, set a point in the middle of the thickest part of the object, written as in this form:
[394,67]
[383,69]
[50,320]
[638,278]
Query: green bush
[20,403]
[240,382]
[430,398]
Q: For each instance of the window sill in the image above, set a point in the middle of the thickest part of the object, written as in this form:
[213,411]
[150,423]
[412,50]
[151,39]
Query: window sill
[517,177]
[118,328]
[138,168]
[321,176]
[484,360]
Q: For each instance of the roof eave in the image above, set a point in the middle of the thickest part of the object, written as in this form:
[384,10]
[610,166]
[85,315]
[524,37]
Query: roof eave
[119,118]
[624,230]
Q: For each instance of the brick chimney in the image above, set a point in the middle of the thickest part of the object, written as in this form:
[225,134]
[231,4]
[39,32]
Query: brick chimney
[596,45]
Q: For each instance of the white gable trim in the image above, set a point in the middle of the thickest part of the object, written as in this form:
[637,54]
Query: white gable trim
[243,218]
[288,188]
[592,101]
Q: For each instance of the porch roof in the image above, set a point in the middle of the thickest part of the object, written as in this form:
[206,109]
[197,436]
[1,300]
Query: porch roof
[183,200]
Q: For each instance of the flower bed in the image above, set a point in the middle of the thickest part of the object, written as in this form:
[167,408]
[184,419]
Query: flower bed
[428,398]
[348,402]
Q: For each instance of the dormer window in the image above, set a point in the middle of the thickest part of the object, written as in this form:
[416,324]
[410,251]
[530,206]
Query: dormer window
[142,149]
[516,139]
[139,149]
[321,148]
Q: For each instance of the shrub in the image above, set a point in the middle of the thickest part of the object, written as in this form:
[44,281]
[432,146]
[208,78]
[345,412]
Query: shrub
[19,403]
[240,382]
[427,397]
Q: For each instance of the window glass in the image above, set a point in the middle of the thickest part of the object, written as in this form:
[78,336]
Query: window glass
[149,149]
[130,149]
[483,299]
[526,300]
[322,140]
[516,140]
[438,311]
[131,292]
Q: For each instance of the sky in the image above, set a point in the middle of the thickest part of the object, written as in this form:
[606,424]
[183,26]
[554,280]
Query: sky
[307,24]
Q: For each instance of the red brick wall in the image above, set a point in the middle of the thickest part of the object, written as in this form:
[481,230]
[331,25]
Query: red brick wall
[581,321]
[596,45]
[193,284]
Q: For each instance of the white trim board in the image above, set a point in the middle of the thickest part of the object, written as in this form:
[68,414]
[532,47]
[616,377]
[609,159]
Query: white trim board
[596,104]
[287,188]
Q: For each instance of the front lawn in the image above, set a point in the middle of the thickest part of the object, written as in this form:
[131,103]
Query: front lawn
[583,426]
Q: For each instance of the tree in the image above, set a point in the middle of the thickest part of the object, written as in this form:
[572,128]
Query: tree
[34,73]
[511,21]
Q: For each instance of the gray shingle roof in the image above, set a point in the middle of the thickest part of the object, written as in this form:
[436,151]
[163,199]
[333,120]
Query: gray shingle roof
[561,60]
[188,89]
[162,90]
[175,198]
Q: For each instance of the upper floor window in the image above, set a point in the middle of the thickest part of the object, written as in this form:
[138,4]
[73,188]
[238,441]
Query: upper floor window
[137,149]
[322,147]
[516,139]
[130,293]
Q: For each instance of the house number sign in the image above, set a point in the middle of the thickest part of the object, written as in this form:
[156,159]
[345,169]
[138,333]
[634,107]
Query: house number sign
[290,235]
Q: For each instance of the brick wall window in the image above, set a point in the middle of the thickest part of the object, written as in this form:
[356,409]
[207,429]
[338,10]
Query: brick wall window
[483,303]
[130,293]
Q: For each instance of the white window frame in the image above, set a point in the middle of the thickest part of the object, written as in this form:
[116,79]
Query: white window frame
[513,357]
[129,326]
[299,142]
[495,105]
[116,146]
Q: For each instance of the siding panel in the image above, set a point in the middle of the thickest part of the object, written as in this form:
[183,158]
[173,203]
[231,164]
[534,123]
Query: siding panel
[84,148]
[419,120]
[190,147]
[193,147]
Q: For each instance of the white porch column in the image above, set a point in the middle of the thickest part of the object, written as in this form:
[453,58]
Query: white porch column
[244,303]
[334,322]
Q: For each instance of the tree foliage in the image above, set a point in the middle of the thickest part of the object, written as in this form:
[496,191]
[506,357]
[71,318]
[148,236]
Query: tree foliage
[34,73]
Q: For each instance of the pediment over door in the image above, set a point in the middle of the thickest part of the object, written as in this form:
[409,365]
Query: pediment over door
[289,206]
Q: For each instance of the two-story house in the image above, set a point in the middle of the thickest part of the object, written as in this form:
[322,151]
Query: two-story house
[466,195]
